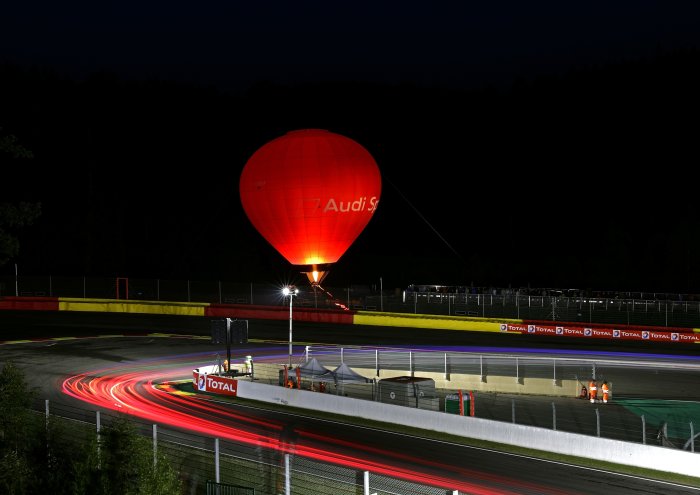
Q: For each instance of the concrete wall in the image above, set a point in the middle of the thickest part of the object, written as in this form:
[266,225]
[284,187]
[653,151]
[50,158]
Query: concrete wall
[491,383]
[602,449]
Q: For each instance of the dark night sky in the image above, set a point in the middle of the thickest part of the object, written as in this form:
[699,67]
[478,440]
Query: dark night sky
[547,145]
[233,44]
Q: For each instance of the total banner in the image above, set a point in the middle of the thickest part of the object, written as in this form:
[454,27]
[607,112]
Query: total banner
[601,333]
[222,385]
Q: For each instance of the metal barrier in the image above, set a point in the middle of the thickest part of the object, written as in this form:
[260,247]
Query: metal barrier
[664,310]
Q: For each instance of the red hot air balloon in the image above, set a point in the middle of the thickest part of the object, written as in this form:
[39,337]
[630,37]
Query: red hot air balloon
[310,193]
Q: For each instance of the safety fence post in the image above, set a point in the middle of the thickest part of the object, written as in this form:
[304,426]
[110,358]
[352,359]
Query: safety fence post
[155,445]
[376,361]
[597,421]
[287,476]
[217,471]
[46,426]
[97,423]
[554,417]
[644,431]
[692,438]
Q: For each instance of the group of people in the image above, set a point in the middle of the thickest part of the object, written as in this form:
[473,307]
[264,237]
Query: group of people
[292,384]
[592,392]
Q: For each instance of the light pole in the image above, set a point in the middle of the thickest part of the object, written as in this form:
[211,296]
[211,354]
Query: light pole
[290,291]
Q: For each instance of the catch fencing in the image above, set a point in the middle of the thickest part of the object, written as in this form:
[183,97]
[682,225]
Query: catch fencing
[667,310]
[510,387]
[210,465]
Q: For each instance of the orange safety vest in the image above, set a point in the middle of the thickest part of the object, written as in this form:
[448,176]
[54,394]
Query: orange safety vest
[606,391]
[290,383]
[592,389]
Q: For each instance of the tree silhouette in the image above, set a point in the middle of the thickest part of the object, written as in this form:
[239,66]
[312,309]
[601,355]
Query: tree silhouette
[14,216]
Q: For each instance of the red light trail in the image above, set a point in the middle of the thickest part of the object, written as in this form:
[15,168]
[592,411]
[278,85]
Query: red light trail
[141,389]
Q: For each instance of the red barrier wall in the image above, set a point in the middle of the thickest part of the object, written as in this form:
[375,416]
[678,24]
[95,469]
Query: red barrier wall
[246,311]
[29,303]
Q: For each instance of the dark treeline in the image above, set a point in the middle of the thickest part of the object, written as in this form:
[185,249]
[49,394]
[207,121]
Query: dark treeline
[582,179]
[40,454]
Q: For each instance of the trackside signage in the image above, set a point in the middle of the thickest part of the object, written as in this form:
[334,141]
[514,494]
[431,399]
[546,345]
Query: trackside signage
[221,385]
[601,333]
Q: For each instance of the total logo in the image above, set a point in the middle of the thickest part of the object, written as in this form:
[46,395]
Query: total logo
[222,385]
[504,327]
[616,333]
[645,335]
[587,332]
[560,330]
[531,328]
[674,336]
[202,382]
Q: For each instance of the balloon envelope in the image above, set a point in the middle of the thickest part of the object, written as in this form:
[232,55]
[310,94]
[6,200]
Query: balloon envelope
[310,193]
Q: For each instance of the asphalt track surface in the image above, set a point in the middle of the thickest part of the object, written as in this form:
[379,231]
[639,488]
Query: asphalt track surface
[51,362]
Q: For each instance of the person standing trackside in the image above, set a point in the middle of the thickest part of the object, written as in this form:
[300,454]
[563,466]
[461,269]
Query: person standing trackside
[584,393]
[592,390]
[605,388]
